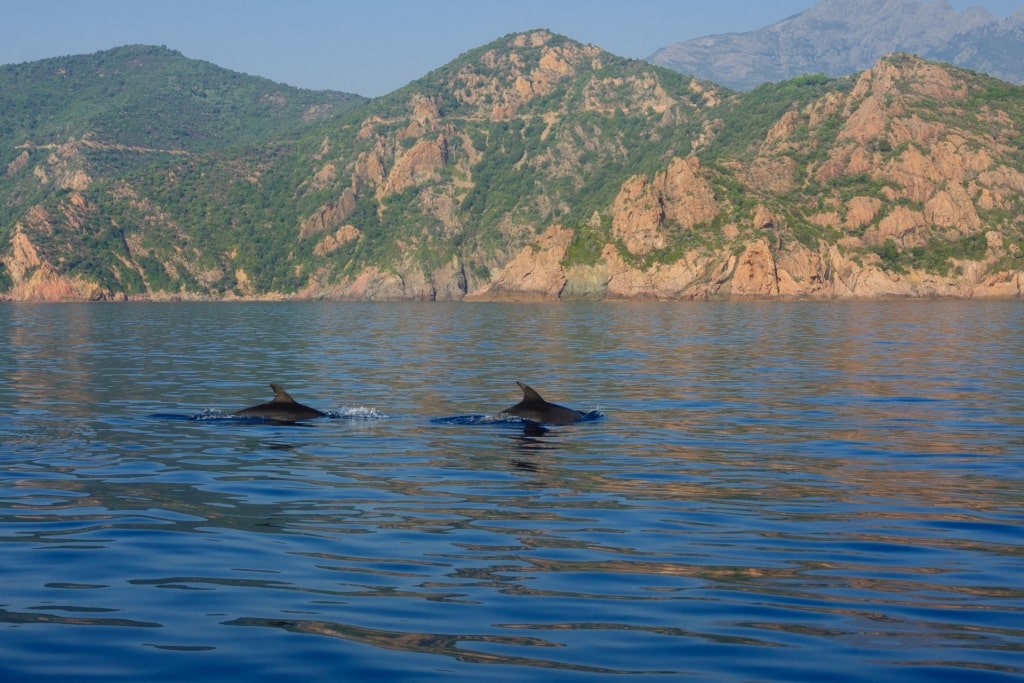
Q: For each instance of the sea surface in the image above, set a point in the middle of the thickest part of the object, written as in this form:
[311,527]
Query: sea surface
[760,492]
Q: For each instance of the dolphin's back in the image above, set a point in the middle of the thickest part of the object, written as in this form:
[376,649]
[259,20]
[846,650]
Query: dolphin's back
[283,408]
[534,408]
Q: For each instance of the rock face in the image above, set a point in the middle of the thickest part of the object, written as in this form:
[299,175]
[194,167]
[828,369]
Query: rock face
[936,182]
[536,272]
[37,281]
[643,210]
[935,186]
[839,37]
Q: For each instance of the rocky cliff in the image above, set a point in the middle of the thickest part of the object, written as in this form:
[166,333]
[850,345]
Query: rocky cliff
[930,182]
[539,168]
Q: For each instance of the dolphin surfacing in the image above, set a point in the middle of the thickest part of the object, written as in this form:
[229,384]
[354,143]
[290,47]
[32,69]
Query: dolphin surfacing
[534,408]
[283,408]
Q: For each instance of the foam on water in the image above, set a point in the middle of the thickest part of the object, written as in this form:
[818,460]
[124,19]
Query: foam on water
[343,413]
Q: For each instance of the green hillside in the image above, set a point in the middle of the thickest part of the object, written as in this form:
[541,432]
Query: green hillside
[149,174]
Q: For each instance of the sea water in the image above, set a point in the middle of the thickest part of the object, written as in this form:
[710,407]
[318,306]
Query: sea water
[761,492]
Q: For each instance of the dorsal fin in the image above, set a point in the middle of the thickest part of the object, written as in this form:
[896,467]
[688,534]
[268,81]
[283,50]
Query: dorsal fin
[280,395]
[529,394]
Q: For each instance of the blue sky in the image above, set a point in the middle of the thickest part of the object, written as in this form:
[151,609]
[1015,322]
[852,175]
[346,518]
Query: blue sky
[371,47]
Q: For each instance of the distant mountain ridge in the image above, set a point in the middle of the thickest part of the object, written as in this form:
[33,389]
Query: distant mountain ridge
[840,37]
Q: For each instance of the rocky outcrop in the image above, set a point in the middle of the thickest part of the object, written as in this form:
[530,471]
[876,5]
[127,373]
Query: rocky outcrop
[758,272]
[333,242]
[416,165]
[328,216]
[535,273]
[644,209]
[61,166]
[409,282]
[37,280]
[523,83]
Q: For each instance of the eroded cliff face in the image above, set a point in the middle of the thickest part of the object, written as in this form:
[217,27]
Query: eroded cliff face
[37,280]
[936,180]
[759,271]
[645,208]
[34,277]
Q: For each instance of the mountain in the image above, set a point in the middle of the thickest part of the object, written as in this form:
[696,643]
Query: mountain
[841,37]
[152,97]
[531,167]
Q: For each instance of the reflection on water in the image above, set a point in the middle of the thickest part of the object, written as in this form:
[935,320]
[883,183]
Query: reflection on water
[766,492]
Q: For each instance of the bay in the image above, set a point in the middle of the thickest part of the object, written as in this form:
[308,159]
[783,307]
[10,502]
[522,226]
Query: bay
[761,491]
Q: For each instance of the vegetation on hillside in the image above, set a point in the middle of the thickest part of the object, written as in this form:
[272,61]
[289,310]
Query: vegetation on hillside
[154,98]
[162,174]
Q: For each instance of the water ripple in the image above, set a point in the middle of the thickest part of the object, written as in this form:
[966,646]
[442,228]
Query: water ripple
[772,493]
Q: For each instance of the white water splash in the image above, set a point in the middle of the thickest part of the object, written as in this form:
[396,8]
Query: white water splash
[357,413]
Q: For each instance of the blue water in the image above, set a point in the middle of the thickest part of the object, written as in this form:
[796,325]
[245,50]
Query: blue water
[761,492]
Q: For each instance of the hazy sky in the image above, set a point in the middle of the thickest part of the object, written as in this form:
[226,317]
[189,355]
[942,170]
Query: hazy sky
[371,47]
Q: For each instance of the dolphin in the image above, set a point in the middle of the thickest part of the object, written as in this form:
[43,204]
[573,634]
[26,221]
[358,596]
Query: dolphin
[283,408]
[535,409]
